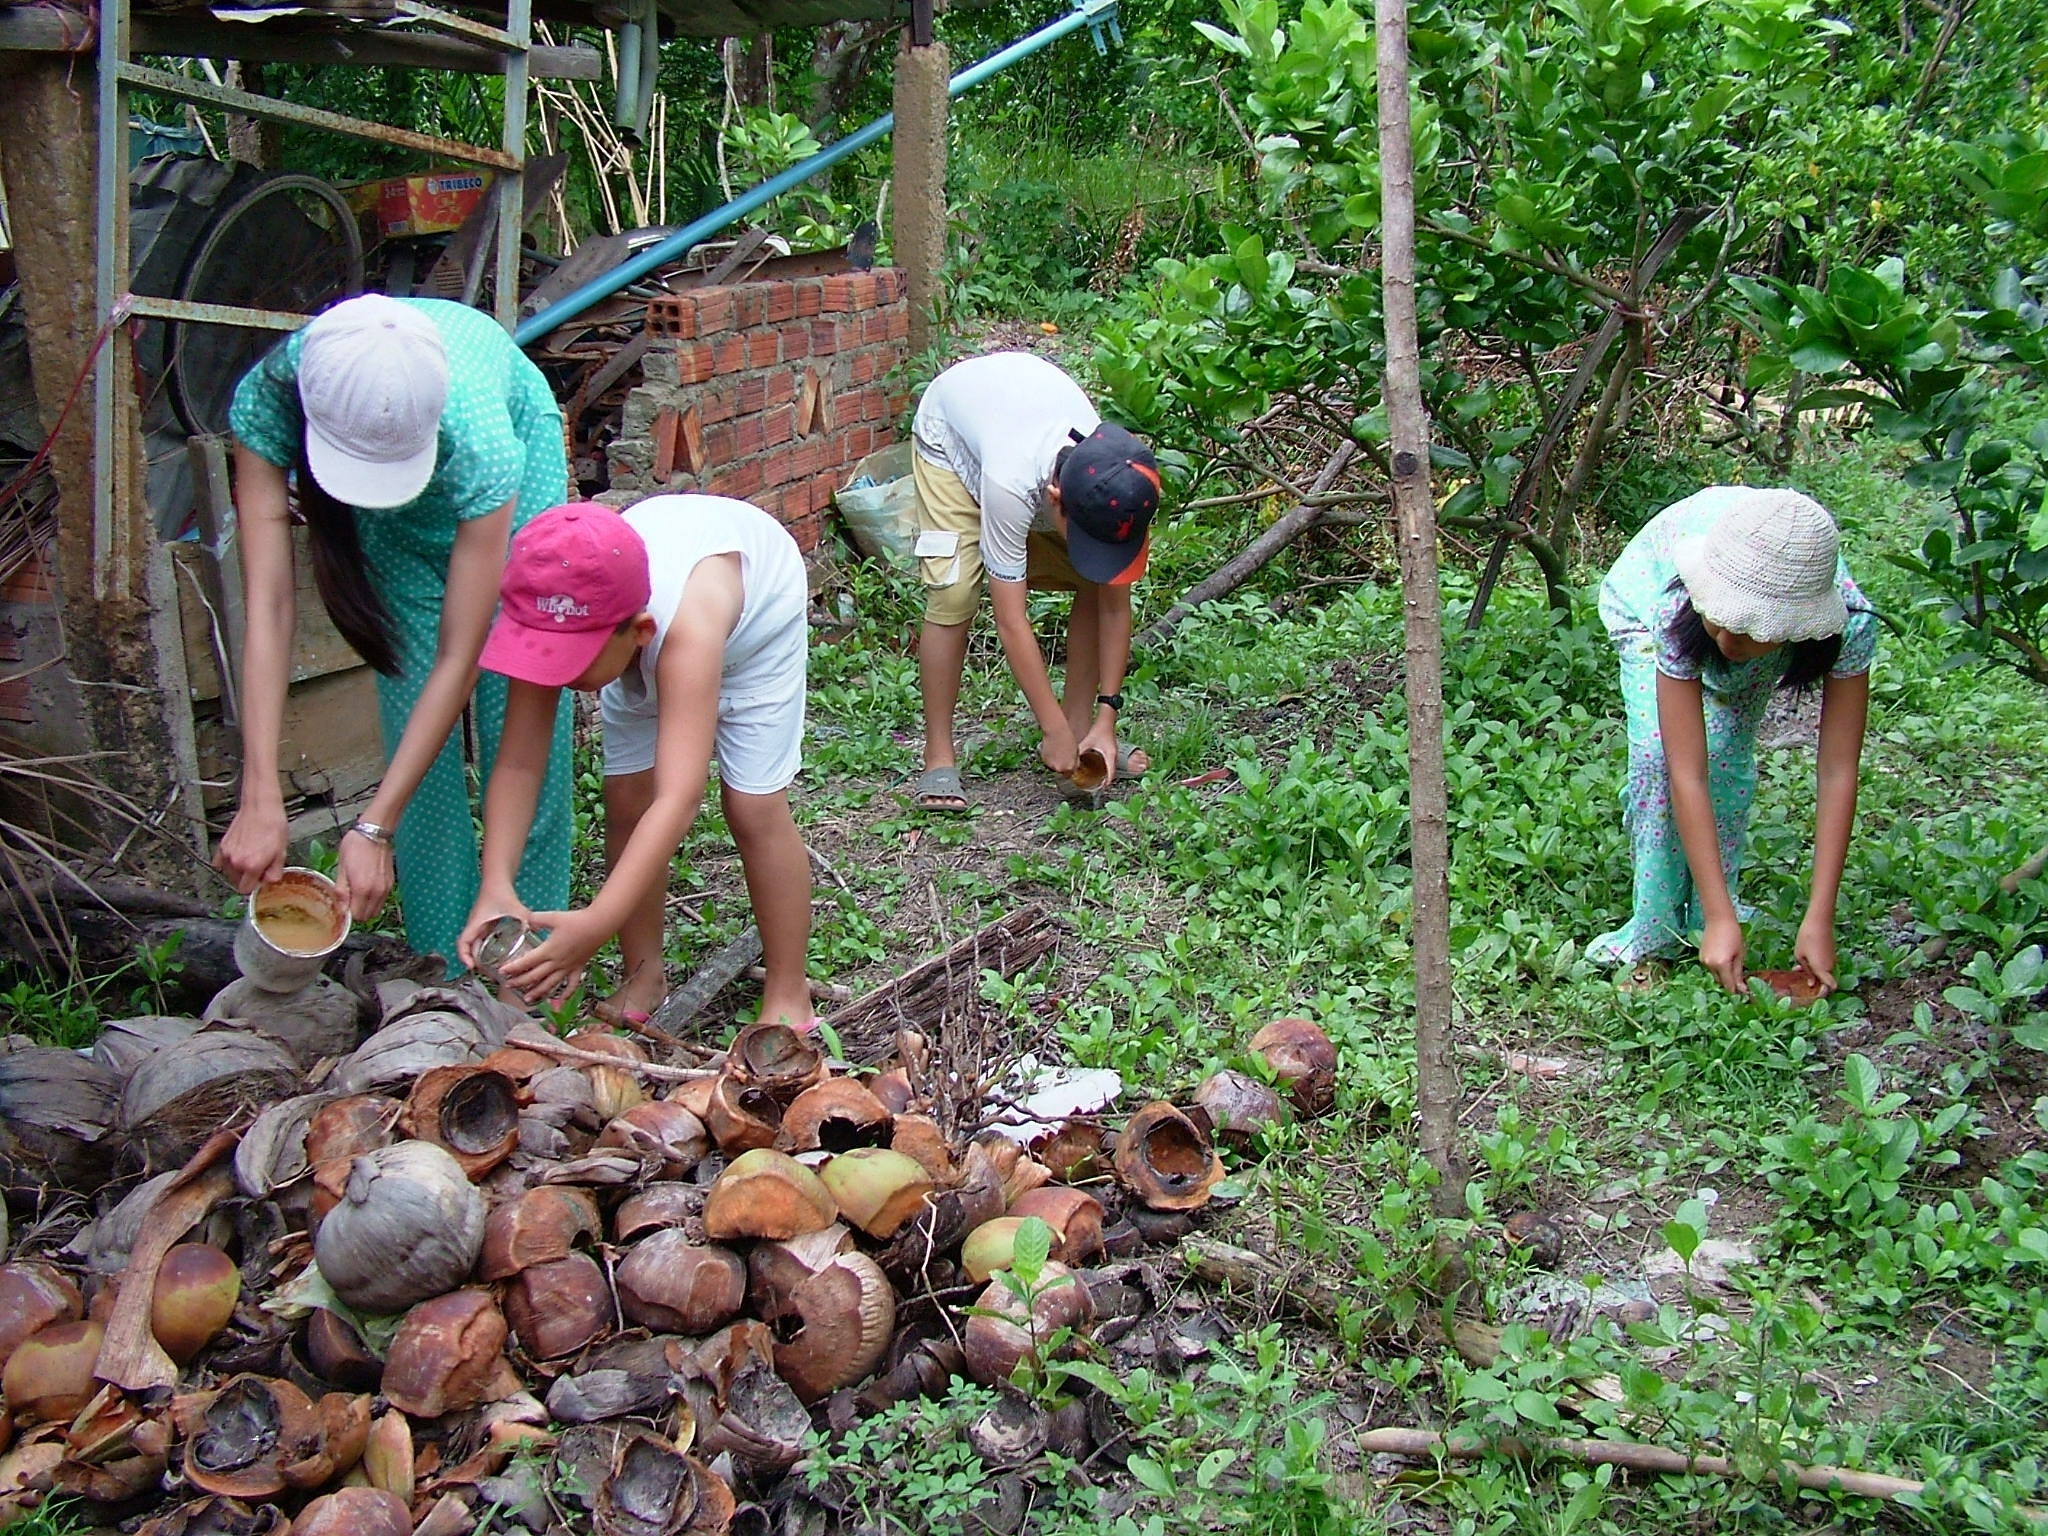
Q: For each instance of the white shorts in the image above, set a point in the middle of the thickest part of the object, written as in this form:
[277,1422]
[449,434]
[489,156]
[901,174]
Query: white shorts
[760,741]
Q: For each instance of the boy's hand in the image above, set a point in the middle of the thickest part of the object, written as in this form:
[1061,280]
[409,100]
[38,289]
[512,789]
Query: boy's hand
[1814,952]
[554,967]
[1059,751]
[490,906]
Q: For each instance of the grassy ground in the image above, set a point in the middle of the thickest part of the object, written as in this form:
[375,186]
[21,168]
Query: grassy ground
[1892,1317]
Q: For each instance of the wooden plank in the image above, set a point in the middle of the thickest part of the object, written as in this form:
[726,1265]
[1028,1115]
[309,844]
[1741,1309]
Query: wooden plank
[330,747]
[317,646]
[220,563]
[65,29]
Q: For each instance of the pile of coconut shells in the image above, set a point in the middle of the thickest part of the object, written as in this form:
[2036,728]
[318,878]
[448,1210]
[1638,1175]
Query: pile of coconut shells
[453,1273]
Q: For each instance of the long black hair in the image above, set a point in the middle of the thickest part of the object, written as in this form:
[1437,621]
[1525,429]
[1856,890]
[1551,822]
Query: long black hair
[340,572]
[1806,662]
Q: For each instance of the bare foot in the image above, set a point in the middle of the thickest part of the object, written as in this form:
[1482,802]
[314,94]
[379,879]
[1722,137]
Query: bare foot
[636,1000]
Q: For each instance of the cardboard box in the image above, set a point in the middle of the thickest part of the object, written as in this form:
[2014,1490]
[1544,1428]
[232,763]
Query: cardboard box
[432,204]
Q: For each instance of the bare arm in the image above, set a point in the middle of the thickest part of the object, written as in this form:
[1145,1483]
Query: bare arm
[509,801]
[475,566]
[1844,712]
[1681,717]
[254,848]
[1008,599]
[686,686]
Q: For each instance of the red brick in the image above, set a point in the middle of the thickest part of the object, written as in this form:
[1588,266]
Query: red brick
[829,336]
[781,389]
[860,441]
[807,529]
[874,328]
[796,342]
[694,363]
[752,394]
[888,285]
[778,426]
[749,307]
[899,323]
[749,436]
[744,480]
[714,310]
[842,293]
[717,405]
[863,366]
[895,404]
[781,302]
[673,315]
[729,355]
[721,443]
[810,296]
[764,349]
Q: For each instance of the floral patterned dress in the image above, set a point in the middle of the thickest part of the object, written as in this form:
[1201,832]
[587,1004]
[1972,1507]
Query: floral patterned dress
[1638,602]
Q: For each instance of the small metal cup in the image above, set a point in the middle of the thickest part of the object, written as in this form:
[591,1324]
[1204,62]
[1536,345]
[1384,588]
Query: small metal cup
[503,942]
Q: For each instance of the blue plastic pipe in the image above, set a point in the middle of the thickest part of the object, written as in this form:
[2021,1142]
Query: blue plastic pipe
[1093,14]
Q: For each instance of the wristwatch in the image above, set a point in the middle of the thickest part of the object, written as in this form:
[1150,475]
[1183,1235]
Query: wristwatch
[1113,700]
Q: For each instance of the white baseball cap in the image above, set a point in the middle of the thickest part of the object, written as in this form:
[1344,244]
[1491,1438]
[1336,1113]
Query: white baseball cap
[373,378]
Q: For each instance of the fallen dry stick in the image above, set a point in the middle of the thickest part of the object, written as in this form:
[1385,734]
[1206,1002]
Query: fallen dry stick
[2008,884]
[648,1069]
[1216,1263]
[1648,1458]
[717,973]
[130,1356]
[923,996]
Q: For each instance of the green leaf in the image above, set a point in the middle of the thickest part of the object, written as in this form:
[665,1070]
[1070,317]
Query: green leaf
[1533,1407]
[1863,1081]
[1823,355]
[1029,1250]
[1153,1476]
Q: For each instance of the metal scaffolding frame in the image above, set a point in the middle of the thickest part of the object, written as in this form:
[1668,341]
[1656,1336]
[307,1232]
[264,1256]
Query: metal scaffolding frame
[114,400]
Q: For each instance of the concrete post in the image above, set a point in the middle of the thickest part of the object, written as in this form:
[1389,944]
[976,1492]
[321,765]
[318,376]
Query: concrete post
[123,647]
[920,177]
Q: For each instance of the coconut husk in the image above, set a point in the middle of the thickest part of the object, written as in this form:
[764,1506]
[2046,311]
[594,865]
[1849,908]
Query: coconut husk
[215,1516]
[763,1423]
[124,1044]
[627,1375]
[272,1153]
[320,1020]
[537,1227]
[104,1242]
[219,1078]
[392,1059]
[1163,1158]
[470,1112]
[57,1112]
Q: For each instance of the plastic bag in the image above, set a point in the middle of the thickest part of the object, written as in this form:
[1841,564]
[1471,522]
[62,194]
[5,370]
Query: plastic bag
[879,503]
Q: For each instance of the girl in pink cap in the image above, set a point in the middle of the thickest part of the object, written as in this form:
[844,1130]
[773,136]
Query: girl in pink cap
[1721,600]
[690,614]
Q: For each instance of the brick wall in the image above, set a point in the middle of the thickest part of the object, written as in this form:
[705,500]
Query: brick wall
[770,392]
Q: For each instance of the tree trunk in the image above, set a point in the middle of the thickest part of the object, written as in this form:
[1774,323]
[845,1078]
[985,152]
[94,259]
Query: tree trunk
[252,140]
[750,69]
[840,60]
[1436,1082]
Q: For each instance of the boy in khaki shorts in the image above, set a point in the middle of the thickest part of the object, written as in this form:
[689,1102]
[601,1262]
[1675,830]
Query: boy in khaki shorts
[1019,478]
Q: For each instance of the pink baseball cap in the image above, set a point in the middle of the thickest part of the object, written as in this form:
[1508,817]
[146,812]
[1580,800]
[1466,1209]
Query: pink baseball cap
[574,575]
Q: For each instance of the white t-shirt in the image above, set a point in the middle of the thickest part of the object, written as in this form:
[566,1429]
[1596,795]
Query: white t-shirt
[772,632]
[998,422]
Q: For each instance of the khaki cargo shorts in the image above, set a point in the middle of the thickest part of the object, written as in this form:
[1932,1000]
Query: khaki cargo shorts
[953,581]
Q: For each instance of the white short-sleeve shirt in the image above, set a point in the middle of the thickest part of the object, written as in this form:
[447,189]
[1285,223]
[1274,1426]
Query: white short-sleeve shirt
[998,422]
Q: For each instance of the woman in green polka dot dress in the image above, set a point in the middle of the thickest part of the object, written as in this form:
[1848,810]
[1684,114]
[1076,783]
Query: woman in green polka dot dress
[420,438]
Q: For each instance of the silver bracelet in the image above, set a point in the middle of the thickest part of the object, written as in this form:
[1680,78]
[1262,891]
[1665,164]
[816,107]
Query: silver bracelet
[373,832]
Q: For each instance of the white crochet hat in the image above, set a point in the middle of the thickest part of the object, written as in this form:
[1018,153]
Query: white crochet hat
[1766,569]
